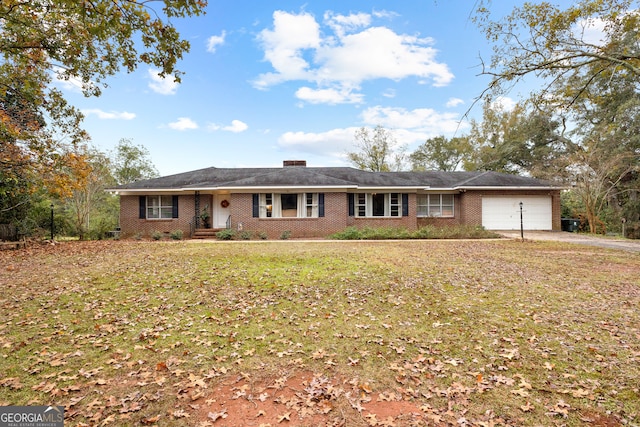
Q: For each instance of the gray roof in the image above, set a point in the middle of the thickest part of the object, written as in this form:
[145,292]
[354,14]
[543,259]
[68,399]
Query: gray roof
[329,177]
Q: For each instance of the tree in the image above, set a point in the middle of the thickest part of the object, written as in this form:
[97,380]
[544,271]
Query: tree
[550,43]
[607,164]
[89,191]
[376,151]
[588,60]
[87,41]
[524,140]
[440,153]
[132,163]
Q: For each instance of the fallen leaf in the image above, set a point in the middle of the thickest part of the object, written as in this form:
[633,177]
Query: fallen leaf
[214,416]
[285,417]
[527,408]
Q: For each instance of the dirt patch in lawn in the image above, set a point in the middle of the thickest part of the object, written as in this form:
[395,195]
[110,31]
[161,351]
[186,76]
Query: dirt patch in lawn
[303,399]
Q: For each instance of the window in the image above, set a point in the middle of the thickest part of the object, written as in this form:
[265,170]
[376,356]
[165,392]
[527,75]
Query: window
[289,205]
[159,207]
[435,205]
[378,204]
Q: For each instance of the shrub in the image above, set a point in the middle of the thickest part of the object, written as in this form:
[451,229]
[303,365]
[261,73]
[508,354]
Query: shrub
[285,235]
[156,235]
[176,235]
[262,235]
[426,232]
[226,234]
[349,233]
[245,235]
[632,230]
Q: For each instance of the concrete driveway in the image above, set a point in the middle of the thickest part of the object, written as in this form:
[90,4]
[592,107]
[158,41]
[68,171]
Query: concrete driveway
[582,239]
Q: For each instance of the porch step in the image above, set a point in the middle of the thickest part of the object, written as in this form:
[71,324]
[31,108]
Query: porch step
[205,233]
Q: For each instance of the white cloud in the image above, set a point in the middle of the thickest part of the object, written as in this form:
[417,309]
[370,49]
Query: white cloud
[183,123]
[214,41]
[454,102]
[389,93]
[298,49]
[337,143]
[592,31]
[378,52]
[110,115]
[72,84]
[284,44]
[342,24]
[236,126]
[503,103]
[329,96]
[162,85]
[421,119]
[334,143]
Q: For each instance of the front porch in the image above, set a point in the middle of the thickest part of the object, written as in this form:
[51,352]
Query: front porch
[212,215]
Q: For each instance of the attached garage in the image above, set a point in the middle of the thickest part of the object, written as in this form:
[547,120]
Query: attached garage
[503,212]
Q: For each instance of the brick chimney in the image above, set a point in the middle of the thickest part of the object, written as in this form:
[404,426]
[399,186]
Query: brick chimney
[290,163]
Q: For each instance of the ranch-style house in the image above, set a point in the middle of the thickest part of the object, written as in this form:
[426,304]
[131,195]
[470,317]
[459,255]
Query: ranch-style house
[319,201]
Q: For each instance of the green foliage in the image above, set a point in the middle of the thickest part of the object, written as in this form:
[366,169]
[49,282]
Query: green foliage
[426,232]
[87,41]
[157,235]
[589,87]
[176,235]
[131,162]
[285,235]
[454,232]
[377,151]
[440,153]
[542,40]
[245,235]
[226,234]
[262,235]
[632,230]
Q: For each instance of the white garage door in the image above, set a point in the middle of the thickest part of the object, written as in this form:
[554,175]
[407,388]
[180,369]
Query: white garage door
[503,213]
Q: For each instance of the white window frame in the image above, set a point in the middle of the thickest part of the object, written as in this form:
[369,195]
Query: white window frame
[440,205]
[307,206]
[155,208]
[363,205]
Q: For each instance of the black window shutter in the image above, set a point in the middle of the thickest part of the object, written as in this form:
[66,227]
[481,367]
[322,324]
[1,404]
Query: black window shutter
[174,204]
[142,212]
[256,205]
[352,204]
[320,205]
[405,204]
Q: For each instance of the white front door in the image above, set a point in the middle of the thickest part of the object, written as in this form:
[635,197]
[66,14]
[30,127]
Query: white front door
[221,210]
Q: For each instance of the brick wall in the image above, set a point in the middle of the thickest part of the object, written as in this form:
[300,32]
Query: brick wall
[409,222]
[468,210]
[334,220]
[471,204]
[131,225]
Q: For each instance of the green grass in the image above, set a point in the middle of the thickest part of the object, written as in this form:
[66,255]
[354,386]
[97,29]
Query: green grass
[516,333]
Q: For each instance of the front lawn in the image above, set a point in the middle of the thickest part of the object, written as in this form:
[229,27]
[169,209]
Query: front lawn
[361,333]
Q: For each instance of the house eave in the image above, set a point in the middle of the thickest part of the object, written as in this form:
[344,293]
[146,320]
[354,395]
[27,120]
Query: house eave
[515,187]
[395,189]
[133,191]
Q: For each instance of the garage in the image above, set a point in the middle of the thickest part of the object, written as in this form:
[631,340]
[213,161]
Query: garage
[503,212]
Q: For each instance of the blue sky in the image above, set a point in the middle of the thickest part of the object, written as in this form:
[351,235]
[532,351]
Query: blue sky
[270,81]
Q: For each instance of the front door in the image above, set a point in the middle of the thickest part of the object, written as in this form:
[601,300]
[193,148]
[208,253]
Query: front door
[221,210]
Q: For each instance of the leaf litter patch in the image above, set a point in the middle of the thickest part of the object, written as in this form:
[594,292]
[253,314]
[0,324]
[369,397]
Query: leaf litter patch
[303,398]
